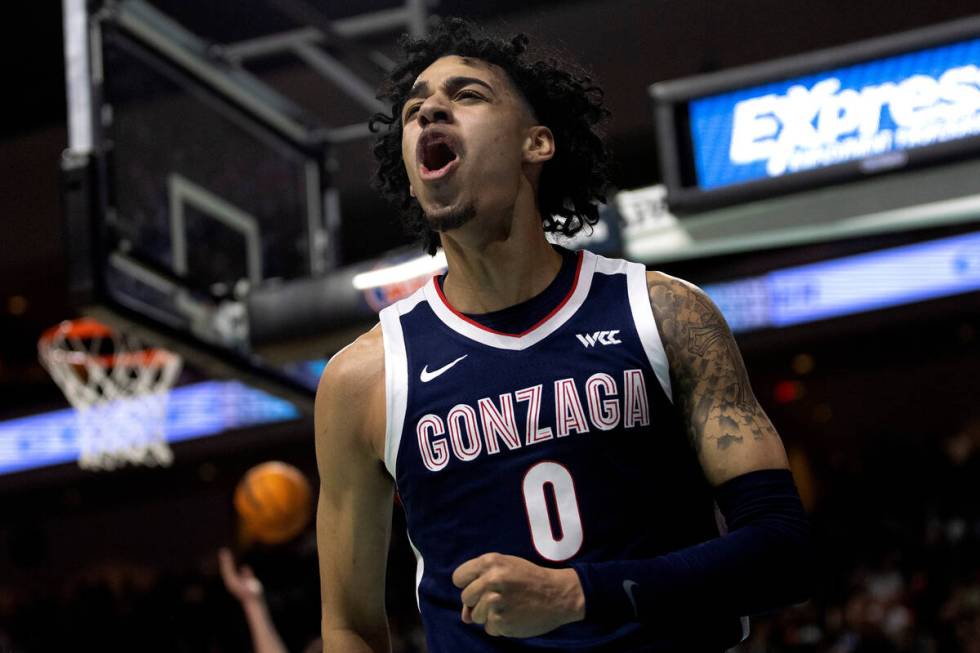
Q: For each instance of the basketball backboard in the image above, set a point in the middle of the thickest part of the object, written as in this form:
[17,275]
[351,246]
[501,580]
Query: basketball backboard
[189,183]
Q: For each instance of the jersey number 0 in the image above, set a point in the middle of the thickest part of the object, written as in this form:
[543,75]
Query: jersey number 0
[568,540]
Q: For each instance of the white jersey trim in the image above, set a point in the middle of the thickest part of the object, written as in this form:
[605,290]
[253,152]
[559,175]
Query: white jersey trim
[396,374]
[646,324]
[515,342]
[419,570]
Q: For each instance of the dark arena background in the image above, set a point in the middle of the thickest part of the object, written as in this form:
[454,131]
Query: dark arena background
[195,175]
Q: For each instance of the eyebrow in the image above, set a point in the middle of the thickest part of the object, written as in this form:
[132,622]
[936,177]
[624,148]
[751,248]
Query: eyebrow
[450,85]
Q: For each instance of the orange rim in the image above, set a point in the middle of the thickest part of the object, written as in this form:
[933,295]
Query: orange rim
[141,358]
[84,327]
[88,328]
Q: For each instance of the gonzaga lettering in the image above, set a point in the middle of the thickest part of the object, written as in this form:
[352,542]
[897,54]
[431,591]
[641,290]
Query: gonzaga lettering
[472,431]
[558,444]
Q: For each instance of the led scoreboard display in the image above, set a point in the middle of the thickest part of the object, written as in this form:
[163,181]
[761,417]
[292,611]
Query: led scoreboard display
[860,111]
[821,118]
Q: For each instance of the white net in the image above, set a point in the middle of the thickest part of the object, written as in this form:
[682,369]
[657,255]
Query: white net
[119,389]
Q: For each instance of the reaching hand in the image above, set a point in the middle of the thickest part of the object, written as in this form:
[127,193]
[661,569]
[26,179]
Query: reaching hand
[241,583]
[516,598]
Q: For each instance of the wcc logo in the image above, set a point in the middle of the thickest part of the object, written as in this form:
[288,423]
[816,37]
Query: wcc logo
[599,337]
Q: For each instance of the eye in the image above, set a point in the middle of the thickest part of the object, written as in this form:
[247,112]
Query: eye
[411,110]
[467,93]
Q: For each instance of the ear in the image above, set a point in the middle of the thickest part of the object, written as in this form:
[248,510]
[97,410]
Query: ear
[539,145]
[411,190]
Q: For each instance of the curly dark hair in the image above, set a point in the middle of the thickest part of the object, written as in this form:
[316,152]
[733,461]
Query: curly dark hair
[566,101]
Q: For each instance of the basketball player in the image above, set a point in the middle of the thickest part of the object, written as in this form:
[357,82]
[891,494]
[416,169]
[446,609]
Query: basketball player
[558,425]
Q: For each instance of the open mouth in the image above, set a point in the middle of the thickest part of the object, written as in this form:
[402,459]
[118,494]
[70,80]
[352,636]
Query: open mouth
[437,156]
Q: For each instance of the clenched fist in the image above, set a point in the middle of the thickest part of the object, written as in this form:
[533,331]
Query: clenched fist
[516,598]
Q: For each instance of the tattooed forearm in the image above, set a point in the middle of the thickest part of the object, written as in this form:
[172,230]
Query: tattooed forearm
[712,388]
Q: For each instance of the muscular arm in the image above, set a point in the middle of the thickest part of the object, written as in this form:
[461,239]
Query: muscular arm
[726,425]
[355,502]
[764,561]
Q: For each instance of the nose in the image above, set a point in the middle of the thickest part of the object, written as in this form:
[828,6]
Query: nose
[434,109]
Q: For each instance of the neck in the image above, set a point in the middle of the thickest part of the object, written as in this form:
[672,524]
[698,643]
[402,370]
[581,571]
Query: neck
[491,273]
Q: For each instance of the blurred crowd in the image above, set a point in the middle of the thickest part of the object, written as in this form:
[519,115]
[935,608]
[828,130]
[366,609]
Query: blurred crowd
[899,536]
[897,528]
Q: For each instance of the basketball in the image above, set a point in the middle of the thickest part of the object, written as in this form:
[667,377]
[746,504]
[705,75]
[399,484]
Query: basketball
[274,502]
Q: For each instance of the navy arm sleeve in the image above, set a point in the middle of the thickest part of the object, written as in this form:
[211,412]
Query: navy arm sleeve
[764,562]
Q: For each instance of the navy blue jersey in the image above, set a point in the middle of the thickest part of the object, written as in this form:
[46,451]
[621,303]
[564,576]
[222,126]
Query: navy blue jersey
[558,444]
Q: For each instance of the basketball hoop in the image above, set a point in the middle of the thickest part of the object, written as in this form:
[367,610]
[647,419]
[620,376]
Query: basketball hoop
[119,388]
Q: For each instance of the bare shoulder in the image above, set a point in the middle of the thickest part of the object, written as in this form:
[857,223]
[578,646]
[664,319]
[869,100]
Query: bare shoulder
[668,294]
[687,318]
[351,392]
[356,367]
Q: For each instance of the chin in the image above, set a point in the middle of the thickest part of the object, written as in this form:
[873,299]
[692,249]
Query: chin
[450,217]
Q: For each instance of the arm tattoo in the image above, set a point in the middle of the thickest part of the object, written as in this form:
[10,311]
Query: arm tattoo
[712,387]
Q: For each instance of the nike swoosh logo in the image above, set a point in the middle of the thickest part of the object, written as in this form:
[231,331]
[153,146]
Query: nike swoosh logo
[628,585]
[427,376]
